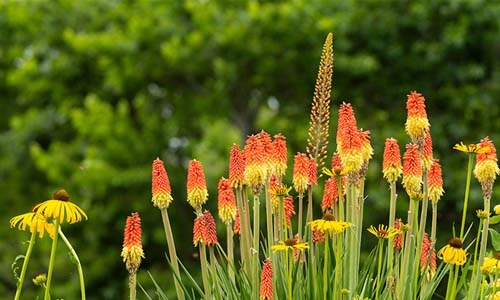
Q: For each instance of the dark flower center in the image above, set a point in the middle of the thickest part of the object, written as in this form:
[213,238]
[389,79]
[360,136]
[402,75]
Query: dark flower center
[291,242]
[61,195]
[328,217]
[455,243]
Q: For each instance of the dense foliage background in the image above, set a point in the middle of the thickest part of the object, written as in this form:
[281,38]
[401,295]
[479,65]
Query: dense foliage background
[92,91]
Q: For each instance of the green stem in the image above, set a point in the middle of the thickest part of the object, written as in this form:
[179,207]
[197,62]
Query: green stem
[338,267]
[132,283]
[269,220]
[172,252]
[77,262]
[230,252]
[309,216]
[379,268]
[325,269]
[215,280]
[421,230]
[255,248]
[244,231]
[353,240]
[476,276]
[52,259]
[450,282]
[466,196]
[301,199]
[407,254]
[392,218]
[203,263]
[289,271]
[20,282]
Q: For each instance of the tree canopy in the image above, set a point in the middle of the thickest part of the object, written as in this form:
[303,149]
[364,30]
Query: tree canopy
[93,91]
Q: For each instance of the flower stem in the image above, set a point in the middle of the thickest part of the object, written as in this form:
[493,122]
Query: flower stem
[215,280]
[255,247]
[20,282]
[476,275]
[51,261]
[325,268]
[289,271]
[77,262]
[244,231]
[379,268]
[392,218]
[203,263]
[269,220]
[301,200]
[466,196]
[132,283]
[172,253]
[230,252]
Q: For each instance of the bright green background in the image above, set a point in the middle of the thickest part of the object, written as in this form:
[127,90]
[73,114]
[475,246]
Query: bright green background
[91,92]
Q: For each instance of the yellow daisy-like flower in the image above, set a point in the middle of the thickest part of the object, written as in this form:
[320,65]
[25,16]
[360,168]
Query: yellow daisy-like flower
[383,232]
[35,222]
[290,244]
[490,265]
[497,209]
[471,148]
[328,224]
[61,208]
[453,253]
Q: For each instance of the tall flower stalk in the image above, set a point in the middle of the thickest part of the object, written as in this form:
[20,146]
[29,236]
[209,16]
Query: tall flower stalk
[132,252]
[161,198]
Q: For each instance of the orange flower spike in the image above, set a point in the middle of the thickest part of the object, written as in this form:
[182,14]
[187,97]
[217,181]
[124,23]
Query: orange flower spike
[226,201]
[349,144]
[486,169]
[237,224]
[289,209]
[132,252]
[197,192]
[428,255]
[417,123]
[300,172]
[398,239]
[391,165]
[330,195]
[268,150]
[412,171]
[435,181]
[266,281]
[279,155]
[161,191]
[366,147]
[337,166]
[209,232]
[204,230]
[346,120]
[427,156]
[255,163]
[312,172]
[273,188]
[236,167]
[318,236]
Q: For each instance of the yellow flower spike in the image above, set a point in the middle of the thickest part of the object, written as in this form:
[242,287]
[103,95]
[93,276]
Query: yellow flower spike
[61,208]
[453,253]
[383,232]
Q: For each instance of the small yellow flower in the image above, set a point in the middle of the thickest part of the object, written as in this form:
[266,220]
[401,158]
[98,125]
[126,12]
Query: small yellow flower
[490,265]
[35,222]
[328,224]
[453,253]
[40,279]
[482,214]
[471,148]
[497,209]
[383,232]
[61,208]
[290,244]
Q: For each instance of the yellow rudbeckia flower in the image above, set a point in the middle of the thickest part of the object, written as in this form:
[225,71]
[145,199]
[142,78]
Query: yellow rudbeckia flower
[290,244]
[383,232]
[453,253]
[328,224]
[35,222]
[60,208]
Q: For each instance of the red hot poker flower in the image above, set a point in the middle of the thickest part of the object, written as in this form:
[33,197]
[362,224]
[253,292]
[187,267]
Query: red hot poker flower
[255,163]
[160,185]
[197,192]
[279,155]
[289,209]
[435,179]
[236,167]
[417,123]
[132,252]
[266,281]
[349,144]
[226,201]
[486,169]
[300,172]
[391,165]
[427,156]
[412,171]
[204,230]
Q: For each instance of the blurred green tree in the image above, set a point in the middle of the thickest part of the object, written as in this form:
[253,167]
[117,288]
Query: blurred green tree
[93,91]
